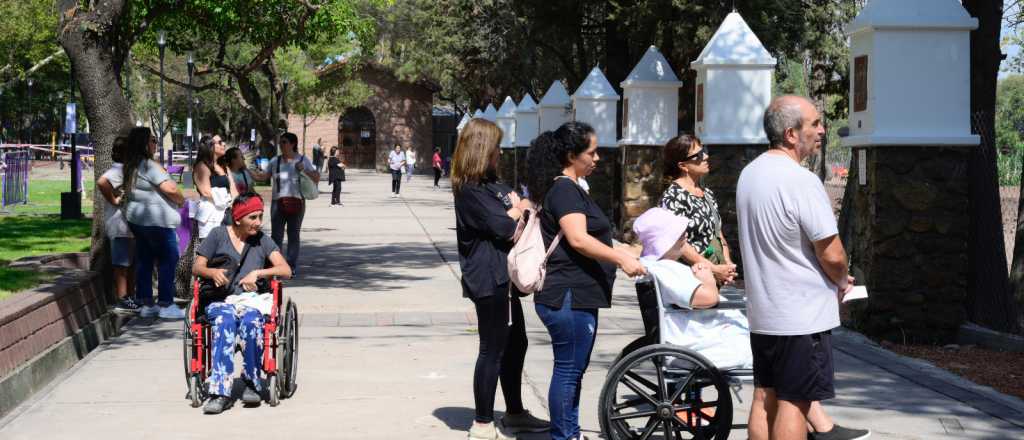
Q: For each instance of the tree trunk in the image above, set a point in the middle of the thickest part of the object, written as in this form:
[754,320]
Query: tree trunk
[86,38]
[990,302]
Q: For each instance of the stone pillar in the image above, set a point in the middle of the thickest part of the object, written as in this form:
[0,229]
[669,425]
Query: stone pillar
[642,184]
[909,241]
[727,161]
[605,182]
[507,166]
[520,153]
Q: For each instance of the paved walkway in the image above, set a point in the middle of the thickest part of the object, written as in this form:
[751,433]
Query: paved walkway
[388,346]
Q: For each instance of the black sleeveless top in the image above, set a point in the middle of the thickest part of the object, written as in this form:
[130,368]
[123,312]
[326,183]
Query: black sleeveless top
[217,181]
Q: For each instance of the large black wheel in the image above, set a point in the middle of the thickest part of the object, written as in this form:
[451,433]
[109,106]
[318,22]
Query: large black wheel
[273,390]
[186,338]
[668,392]
[290,351]
[195,391]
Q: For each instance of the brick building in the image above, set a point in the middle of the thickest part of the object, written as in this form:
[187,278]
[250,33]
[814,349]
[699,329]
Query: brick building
[397,112]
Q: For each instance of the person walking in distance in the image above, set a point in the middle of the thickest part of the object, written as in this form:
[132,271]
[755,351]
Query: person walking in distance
[336,175]
[795,270]
[396,162]
[436,163]
[486,212]
[288,208]
[410,163]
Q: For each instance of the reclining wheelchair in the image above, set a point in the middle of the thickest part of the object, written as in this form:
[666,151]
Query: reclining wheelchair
[280,342]
[659,388]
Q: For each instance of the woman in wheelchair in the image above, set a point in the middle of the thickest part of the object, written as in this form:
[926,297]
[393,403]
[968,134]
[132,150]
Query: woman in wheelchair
[231,263]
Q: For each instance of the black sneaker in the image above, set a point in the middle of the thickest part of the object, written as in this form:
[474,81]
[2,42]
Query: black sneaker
[126,305]
[217,405]
[840,433]
[250,397]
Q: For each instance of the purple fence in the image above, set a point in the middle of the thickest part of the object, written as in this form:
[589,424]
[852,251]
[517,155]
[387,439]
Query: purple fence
[15,165]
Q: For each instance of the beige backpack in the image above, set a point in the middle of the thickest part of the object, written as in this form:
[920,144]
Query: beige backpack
[527,261]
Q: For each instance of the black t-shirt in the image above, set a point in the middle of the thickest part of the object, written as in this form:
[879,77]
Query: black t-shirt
[590,280]
[484,231]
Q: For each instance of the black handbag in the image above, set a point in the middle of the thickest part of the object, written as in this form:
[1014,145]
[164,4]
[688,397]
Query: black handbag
[209,292]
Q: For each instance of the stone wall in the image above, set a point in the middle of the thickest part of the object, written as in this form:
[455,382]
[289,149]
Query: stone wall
[606,182]
[507,166]
[641,184]
[906,233]
[520,166]
[727,161]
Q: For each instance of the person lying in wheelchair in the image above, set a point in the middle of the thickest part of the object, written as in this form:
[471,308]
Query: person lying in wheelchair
[722,336]
[231,265]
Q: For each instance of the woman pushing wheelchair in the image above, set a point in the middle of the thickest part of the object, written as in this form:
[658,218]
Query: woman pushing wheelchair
[232,263]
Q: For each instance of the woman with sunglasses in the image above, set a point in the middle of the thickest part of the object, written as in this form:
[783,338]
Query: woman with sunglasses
[686,163]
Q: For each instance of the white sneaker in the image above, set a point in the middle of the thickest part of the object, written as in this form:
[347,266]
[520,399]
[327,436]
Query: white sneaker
[149,311]
[171,312]
[488,432]
[394,196]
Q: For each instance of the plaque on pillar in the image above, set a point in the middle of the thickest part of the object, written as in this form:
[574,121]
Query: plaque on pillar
[555,107]
[734,86]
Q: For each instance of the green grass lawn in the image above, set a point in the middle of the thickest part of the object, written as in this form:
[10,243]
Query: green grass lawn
[15,280]
[30,235]
[44,198]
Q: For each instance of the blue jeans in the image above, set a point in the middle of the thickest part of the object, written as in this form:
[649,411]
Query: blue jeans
[160,245]
[230,321]
[572,340]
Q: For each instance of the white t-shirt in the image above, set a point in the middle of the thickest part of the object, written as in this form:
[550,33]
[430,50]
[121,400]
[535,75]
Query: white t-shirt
[782,209]
[114,219]
[395,160]
[286,181]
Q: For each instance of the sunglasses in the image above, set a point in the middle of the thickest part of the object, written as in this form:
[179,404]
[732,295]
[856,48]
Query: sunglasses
[699,155]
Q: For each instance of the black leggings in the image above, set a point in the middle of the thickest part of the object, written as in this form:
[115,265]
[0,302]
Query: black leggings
[396,181]
[335,192]
[437,175]
[502,353]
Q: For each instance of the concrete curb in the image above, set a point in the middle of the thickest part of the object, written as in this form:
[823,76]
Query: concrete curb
[985,399]
[36,374]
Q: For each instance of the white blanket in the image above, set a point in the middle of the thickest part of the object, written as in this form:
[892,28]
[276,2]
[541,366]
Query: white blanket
[259,301]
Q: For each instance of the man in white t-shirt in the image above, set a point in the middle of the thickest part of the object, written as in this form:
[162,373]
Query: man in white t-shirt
[794,267]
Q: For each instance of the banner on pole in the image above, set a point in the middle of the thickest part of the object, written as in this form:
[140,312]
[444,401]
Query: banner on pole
[188,127]
[71,119]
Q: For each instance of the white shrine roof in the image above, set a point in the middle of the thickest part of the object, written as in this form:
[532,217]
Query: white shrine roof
[652,68]
[596,86]
[478,114]
[932,14]
[527,105]
[734,44]
[463,122]
[556,96]
[490,113]
[508,108]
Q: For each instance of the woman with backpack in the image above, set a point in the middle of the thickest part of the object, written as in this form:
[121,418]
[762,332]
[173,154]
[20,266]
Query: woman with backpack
[486,215]
[580,270]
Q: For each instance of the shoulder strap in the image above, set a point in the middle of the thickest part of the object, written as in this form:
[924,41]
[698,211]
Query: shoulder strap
[277,173]
[241,262]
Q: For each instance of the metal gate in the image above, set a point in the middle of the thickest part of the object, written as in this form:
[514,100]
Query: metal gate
[15,165]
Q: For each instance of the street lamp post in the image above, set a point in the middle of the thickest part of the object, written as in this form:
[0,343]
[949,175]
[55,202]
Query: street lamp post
[284,106]
[71,202]
[28,138]
[161,42]
[189,125]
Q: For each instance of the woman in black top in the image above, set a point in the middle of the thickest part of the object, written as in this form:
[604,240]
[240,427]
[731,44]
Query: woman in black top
[336,175]
[486,212]
[580,271]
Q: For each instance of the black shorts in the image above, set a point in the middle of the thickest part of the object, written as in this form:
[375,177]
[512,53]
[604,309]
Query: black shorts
[798,368]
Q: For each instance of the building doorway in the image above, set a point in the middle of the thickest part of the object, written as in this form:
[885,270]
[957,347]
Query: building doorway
[357,133]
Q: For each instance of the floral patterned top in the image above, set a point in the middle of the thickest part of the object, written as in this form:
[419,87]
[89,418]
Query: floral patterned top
[705,222]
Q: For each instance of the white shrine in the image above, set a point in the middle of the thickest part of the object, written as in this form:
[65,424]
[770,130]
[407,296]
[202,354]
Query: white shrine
[490,113]
[462,122]
[478,114]
[734,86]
[555,107]
[595,103]
[506,120]
[910,74]
[650,103]
[527,122]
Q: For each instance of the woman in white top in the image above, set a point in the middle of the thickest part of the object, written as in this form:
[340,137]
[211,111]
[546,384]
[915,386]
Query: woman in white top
[288,207]
[111,187]
[152,202]
[214,183]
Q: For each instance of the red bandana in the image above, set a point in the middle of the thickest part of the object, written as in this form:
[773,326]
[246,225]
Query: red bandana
[240,210]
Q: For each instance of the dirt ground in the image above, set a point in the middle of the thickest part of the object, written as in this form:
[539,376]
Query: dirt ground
[997,369]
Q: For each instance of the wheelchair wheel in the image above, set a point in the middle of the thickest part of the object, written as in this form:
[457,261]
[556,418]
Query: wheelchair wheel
[290,351]
[195,391]
[273,393]
[668,390]
[186,339]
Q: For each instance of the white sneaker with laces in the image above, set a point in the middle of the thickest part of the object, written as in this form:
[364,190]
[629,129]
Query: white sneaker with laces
[171,312]
[488,432]
[149,311]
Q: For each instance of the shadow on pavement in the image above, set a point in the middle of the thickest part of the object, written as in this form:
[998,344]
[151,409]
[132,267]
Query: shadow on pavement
[365,267]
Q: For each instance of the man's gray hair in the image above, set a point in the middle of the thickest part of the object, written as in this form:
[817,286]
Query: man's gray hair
[781,114]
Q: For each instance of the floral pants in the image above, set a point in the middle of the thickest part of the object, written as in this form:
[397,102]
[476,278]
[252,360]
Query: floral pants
[231,322]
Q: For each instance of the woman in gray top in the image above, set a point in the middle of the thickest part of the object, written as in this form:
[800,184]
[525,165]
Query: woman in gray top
[151,209]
